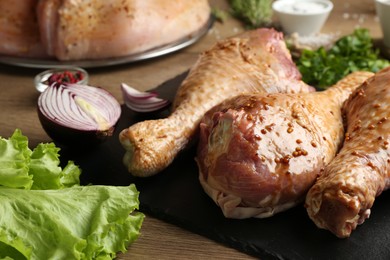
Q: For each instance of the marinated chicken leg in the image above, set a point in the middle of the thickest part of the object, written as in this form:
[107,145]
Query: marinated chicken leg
[259,154]
[96,29]
[256,61]
[343,195]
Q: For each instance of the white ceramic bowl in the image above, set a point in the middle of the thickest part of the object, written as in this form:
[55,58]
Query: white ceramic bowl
[305,17]
[383,12]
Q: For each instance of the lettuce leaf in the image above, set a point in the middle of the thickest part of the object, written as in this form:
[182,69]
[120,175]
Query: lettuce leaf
[21,167]
[82,222]
[46,172]
[14,161]
[46,214]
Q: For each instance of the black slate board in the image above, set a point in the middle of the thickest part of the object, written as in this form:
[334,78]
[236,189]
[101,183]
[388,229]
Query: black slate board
[176,196]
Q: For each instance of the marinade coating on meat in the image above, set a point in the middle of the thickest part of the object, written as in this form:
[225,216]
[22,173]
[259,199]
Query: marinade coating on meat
[254,62]
[343,195]
[259,154]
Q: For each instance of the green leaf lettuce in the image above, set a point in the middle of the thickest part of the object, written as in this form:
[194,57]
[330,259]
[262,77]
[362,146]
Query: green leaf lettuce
[82,222]
[46,172]
[14,161]
[46,214]
[21,167]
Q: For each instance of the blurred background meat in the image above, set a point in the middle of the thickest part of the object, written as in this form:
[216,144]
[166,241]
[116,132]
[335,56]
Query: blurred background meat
[19,31]
[95,29]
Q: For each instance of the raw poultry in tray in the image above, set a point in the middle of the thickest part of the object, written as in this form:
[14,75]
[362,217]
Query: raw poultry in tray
[95,29]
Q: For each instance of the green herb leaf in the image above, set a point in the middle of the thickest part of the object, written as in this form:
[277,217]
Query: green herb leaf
[219,14]
[254,13]
[350,53]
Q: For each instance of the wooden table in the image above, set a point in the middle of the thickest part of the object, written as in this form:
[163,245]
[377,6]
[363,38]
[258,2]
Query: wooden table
[159,240]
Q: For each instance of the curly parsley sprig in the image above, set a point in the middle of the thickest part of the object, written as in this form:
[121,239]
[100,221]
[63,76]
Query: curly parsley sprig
[253,13]
[322,68]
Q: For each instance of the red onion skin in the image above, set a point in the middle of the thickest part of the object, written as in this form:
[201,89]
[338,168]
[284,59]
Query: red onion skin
[142,102]
[68,136]
[73,137]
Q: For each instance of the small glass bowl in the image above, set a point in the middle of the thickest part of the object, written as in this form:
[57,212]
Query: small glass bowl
[41,80]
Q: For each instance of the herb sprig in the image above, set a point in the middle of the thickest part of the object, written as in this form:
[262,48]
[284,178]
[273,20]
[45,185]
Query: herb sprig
[253,13]
[322,68]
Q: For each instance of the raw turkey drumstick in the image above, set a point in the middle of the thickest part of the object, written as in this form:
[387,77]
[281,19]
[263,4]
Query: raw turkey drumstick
[342,197]
[259,154]
[256,61]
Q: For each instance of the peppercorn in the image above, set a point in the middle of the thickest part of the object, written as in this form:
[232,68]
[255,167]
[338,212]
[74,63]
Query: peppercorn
[65,77]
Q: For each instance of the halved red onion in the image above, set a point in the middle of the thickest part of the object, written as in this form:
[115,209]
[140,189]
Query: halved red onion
[78,113]
[143,102]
